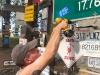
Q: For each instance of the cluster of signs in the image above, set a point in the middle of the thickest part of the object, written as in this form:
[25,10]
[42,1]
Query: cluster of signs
[44,21]
[85,42]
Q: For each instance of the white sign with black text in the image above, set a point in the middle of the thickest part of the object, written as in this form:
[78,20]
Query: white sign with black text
[9,63]
[87,34]
[90,47]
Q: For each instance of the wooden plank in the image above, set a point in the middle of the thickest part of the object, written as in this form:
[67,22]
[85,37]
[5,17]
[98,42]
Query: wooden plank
[14,8]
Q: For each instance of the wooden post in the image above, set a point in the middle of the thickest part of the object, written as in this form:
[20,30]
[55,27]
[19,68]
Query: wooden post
[7,18]
[29,33]
[49,30]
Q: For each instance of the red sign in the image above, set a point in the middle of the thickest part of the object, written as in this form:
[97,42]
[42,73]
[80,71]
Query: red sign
[36,1]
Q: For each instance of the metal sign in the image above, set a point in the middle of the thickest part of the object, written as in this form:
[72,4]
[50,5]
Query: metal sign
[94,62]
[29,14]
[76,9]
[91,48]
[89,41]
[69,51]
[87,34]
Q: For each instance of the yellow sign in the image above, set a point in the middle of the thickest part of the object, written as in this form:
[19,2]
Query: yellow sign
[29,14]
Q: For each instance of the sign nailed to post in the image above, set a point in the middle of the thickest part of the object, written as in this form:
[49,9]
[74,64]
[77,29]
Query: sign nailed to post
[91,48]
[69,51]
[76,9]
[29,14]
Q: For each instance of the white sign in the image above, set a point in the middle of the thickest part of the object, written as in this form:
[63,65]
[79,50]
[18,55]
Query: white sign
[91,48]
[46,71]
[9,63]
[94,62]
[69,51]
[22,41]
[19,16]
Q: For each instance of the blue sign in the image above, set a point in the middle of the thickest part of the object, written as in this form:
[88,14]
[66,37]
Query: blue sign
[64,11]
[6,41]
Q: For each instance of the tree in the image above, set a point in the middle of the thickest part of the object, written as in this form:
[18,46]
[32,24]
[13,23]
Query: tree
[16,29]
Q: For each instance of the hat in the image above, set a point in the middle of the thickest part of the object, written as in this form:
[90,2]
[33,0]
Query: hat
[19,51]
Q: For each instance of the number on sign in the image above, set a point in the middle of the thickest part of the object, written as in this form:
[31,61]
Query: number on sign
[84,1]
[97,3]
[79,6]
[91,4]
[94,62]
[90,47]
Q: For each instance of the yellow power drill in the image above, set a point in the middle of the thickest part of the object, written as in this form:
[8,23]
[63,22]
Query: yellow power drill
[58,20]
[68,32]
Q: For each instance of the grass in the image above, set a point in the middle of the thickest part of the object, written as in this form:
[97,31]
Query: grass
[13,41]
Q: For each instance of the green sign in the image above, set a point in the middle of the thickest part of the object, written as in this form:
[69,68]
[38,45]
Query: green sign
[76,9]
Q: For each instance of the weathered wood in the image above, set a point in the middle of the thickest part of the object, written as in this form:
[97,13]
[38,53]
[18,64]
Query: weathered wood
[44,3]
[14,8]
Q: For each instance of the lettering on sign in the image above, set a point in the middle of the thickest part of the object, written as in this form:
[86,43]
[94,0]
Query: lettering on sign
[69,49]
[69,58]
[64,11]
[91,48]
[87,35]
[70,40]
[94,62]
[86,5]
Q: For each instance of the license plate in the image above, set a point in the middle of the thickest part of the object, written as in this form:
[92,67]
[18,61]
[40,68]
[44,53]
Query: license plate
[90,48]
[87,34]
[94,62]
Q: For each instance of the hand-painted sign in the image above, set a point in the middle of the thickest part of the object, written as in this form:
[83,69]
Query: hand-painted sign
[69,51]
